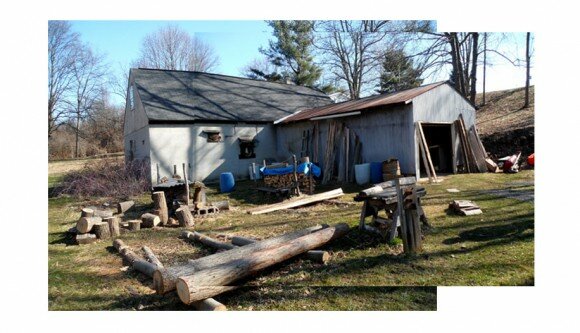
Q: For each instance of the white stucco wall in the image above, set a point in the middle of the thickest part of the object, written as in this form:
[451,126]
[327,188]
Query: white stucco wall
[136,126]
[177,144]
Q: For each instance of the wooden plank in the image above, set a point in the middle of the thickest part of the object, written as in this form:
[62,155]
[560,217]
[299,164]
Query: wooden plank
[478,153]
[463,146]
[470,152]
[305,200]
[400,212]
[426,150]
[425,164]
[363,215]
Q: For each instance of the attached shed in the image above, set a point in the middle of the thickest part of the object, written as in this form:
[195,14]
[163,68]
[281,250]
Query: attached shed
[385,126]
[213,123]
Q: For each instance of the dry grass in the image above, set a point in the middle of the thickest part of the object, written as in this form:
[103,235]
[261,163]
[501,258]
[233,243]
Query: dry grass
[503,111]
[496,248]
[58,168]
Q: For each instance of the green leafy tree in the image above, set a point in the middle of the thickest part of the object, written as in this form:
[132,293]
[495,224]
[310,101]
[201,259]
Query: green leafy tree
[398,72]
[291,54]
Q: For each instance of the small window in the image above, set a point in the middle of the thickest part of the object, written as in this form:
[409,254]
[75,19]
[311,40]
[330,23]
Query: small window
[213,136]
[247,146]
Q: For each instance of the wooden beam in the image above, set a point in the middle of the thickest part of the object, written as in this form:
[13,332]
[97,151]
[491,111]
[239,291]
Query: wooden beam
[304,200]
[426,150]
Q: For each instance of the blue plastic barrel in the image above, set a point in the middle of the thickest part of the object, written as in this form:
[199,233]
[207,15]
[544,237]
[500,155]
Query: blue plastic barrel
[227,182]
[376,172]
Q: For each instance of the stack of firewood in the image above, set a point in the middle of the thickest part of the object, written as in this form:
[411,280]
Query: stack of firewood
[286,181]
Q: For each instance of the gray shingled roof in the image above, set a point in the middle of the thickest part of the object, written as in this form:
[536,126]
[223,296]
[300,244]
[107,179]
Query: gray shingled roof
[175,96]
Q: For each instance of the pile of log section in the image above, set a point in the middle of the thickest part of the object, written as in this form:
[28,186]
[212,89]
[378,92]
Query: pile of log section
[285,181]
[151,264]
[300,201]
[95,224]
[212,275]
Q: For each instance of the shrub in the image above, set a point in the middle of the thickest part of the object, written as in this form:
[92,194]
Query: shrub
[107,178]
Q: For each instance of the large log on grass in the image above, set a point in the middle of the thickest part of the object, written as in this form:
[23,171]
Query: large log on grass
[314,255]
[85,224]
[184,216]
[124,206]
[205,240]
[149,220]
[161,206]
[208,282]
[151,257]
[164,279]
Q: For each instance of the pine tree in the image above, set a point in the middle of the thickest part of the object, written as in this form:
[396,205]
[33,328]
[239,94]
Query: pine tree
[398,72]
[291,52]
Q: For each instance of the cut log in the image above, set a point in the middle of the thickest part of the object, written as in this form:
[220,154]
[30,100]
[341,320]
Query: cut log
[134,225]
[113,223]
[149,220]
[318,256]
[304,200]
[241,241]
[160,205]
[101,230]
[86,239]
[87,212]
[208,283]
[222,205]
[314,255]
[124,206]
[151,257]
[164,279]
[184,216]
[209,304]
[205,240]
[85,224]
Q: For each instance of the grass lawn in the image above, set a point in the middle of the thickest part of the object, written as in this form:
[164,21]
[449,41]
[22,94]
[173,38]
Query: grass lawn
[495,248]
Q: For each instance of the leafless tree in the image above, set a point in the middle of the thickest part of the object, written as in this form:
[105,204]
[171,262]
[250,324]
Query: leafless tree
[173,48]
[353,50]
[89,73]
[63,46]
[528,56]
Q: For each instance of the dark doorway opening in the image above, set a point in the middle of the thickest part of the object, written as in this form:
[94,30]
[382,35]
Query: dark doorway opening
[439,142]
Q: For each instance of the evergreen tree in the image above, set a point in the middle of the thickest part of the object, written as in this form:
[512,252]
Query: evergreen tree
[398,72]
[291,53]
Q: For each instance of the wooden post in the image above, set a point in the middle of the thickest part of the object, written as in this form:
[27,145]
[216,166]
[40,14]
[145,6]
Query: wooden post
[400,213]
[426,149]
[158,177]
[313,255]
[186,186]
[174,170]
[295,174]
[346,142]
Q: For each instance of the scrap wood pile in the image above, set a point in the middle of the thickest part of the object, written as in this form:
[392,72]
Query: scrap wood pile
[401,201]
[198,280]
[297,202]
[465,207]
[285,181]
[297,177]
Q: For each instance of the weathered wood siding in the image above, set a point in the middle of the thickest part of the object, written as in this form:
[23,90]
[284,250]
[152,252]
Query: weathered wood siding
[442,105]
[384,132]
[177,144]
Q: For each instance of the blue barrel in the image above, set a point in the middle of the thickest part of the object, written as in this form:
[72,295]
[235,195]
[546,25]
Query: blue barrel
[227,182]
[376,172]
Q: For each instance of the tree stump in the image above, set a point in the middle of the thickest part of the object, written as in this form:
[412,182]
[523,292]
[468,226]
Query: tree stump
[124,206]
[85,224]
[86,239]
[134,225]
[161,206]
[150,220]
[113,223]
[184,216]
[87,212]
[101,230]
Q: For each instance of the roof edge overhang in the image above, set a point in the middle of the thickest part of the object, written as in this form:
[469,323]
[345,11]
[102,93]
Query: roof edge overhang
[206,121]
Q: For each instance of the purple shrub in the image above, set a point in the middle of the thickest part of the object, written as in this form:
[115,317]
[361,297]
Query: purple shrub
[107,178]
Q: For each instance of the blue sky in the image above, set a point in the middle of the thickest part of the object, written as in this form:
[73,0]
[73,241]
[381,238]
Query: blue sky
[237,43]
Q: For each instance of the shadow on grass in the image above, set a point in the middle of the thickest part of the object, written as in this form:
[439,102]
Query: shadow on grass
[64,237]
[487,233]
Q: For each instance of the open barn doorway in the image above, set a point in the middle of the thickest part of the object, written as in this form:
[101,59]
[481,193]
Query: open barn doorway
[439,139]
